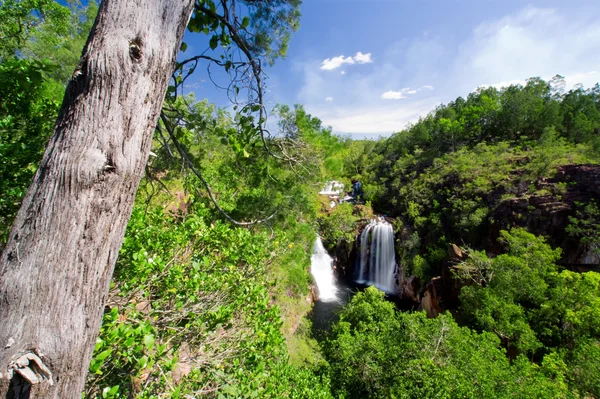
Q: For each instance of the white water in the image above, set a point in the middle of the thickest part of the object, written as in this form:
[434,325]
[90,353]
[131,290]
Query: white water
[322,270]
[378,260]
[364,253]
[332,188]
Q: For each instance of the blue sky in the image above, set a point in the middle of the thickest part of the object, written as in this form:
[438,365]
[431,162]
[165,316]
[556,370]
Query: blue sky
[367,68]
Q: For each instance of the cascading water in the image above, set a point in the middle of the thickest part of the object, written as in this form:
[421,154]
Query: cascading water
[361,275]
[322,270]
[332,188]
[377,262]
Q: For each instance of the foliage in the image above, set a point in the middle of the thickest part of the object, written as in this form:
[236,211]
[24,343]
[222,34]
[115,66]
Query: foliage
[532,307]
[20,20]
[586,225]
[191,308]
[62,43]
[378,352]
[469,147]
[200,308]
[189,313]
[207,282]
[451,198]
[265,30]
[338,226]
[26,114]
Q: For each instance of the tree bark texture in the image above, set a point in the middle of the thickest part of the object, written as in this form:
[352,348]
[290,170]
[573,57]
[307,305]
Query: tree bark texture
[56,267]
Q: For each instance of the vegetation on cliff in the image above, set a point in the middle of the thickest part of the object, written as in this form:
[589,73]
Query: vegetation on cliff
[200,305]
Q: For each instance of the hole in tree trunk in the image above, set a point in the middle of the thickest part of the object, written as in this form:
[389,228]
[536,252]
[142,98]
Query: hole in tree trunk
[135,49]
[19,387]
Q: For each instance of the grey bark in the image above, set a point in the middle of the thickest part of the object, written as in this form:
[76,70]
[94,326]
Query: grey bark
[57,264]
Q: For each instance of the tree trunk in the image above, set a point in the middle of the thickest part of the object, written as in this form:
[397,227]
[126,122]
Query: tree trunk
[56,267]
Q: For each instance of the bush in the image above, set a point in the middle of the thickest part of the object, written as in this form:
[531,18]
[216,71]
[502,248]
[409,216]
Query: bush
[377,352]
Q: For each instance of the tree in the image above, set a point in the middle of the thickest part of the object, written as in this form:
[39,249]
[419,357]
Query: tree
[376,352]
[34,67]
[61,251]
[60,254]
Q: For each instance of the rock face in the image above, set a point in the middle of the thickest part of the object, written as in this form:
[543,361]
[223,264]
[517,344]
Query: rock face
[545,214]
[344,258]
[431,299]
[548,214]
[411,288]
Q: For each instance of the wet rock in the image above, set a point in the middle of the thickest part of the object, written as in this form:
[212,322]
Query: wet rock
[431,301]
[549,214]
[411,288]
[455,253]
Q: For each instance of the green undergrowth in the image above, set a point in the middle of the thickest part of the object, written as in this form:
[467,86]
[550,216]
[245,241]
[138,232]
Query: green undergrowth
[339,226]
[290,290]
[376,351]
[453,199]
[190,313]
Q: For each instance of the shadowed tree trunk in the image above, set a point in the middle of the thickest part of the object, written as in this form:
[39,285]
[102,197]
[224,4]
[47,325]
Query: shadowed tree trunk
[57,264]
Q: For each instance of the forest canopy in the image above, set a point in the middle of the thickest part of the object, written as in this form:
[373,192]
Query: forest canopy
[212,292]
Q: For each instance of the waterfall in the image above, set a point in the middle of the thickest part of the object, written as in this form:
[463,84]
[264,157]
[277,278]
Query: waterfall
[377,262]
[322,270]
[364,252]
[332,188]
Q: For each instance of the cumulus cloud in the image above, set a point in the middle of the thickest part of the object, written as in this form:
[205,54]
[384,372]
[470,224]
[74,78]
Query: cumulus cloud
[329,99]
[397,95]
[336,62]
[330,64]
[501,85]
[532,42]
[587,79]
[361,58]
[385,120]
[399,87]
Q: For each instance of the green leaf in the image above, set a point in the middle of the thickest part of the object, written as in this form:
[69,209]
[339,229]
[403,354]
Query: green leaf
[143,362]
[149,341]
[103,355]
[183,47]
[214,41]
[110,392]
[245,22]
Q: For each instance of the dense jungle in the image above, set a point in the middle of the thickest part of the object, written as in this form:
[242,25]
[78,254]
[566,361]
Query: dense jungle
[491,202]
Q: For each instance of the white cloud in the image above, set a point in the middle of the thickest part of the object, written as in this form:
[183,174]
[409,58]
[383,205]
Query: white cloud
[511,49]
[363,58]
[393,95]
[501,85]
[532,42]
[397,95]
[358,107]
[336,62]
[588,79]
[373,121]
[330,64]
[329,99]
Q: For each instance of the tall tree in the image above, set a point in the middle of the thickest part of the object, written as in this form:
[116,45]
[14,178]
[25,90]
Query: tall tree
[60,254]
[59,258]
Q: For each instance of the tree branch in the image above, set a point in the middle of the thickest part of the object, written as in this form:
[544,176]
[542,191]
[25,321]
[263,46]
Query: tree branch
[190,164]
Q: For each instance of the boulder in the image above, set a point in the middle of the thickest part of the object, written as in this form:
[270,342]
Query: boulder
[431,301]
